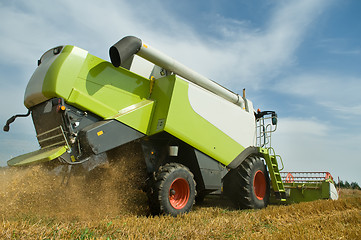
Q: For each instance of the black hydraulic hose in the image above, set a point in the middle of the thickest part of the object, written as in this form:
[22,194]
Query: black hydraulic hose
[12,119]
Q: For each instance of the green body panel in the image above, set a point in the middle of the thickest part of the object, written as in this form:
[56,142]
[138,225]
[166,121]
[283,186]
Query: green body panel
[41,155]
[175,115]
[92,84]
[62,74]
[305,192]
[81,100]
[162,94]
[137,115]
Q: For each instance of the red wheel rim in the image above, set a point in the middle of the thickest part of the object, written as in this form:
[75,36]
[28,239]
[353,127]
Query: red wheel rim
[179,193]
[259,185]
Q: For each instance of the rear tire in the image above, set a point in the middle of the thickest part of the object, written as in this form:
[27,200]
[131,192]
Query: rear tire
[172,190]
[248,186]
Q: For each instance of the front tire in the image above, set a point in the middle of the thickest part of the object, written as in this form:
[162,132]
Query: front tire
[248,186]
[172,191]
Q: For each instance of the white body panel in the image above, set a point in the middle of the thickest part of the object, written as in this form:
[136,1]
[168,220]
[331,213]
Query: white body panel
[141,67]
[333,192]
[231,119]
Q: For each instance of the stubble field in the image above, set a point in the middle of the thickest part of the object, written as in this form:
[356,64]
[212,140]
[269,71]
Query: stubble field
[34,204]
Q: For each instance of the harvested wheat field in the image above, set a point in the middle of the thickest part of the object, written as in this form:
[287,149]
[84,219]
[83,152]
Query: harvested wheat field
[109,205]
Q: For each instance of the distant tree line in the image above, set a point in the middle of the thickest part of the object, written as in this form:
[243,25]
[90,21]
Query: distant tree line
[352,185]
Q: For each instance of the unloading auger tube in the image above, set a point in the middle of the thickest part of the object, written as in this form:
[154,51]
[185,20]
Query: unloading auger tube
[128,46]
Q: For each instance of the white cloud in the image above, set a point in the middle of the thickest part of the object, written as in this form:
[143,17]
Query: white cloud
[243,56]
[344,111]
[340,46]
[347,52]
[297,126]
[339,94]
[310,145]
[260,55]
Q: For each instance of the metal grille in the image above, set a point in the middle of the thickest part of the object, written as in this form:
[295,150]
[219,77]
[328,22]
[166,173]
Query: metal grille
[52,138]
[305,177]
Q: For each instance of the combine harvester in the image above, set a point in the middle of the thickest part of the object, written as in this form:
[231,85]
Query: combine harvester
[197,137]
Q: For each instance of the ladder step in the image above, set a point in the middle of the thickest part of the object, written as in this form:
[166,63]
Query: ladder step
[281,196]
[273,159]
[275,176]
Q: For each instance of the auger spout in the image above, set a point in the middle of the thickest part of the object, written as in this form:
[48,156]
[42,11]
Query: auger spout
[127,46]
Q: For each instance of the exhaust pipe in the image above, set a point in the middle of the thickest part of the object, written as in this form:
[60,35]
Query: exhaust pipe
[127,46]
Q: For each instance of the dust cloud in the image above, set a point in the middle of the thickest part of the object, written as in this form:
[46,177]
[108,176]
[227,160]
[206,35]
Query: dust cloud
[110,190]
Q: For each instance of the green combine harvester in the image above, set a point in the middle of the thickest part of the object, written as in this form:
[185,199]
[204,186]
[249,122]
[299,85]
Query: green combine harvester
[197,137]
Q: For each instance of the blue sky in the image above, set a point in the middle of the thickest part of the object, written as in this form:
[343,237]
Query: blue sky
[299,58]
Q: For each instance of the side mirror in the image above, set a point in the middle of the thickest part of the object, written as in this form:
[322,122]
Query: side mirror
[274,118]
